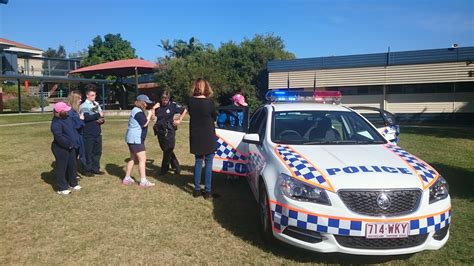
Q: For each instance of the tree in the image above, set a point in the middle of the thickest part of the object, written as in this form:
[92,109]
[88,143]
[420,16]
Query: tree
[79,54]
[181,49]
[112,47]
[56,53]
[233,67]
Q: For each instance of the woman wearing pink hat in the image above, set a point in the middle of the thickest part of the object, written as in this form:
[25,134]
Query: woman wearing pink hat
[66,142]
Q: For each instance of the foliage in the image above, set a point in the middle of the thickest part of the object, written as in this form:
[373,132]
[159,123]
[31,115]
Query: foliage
[112,47]
[79,54]
[27,103]
[233,67]
[56,53]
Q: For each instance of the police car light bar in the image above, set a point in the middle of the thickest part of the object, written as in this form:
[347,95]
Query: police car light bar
[333,97]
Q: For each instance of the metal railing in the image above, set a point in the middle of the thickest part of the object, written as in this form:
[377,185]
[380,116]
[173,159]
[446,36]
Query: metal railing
[52,67]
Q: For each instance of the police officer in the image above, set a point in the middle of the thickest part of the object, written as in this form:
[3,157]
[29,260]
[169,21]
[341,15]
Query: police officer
[165,129]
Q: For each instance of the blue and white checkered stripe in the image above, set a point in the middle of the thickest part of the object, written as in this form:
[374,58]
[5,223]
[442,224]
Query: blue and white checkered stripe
[302,168]
[424,171]
[430,224]
[283,217]
[256,162]
[225,151]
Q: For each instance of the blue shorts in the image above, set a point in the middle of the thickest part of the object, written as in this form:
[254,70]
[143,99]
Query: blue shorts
[136,148]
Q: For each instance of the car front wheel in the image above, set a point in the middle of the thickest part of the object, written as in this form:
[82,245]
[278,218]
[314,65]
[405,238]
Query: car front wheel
[264,214]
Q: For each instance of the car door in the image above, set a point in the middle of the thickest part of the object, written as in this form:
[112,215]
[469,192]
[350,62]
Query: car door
[256,161]
[231,153]
[385,122]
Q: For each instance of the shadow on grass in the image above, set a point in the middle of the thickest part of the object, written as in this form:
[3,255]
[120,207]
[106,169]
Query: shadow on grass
[236,211]
[440,132]
[49,177]
[119,170]
[182,181]
[460,180]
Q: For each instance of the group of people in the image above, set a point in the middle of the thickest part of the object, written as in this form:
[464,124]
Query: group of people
[77,134]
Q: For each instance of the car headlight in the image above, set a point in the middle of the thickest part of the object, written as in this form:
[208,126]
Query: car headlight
[439,190]
[295,189]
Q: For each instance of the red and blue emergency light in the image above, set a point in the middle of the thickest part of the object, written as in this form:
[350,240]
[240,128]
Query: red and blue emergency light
[329,97]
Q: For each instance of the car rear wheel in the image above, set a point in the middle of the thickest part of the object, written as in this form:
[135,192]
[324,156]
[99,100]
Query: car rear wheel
[265,226]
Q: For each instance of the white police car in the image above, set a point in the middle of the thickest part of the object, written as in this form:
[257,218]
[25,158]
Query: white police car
[326,180]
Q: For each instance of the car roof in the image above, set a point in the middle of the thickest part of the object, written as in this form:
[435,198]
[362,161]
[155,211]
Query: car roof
[278,107]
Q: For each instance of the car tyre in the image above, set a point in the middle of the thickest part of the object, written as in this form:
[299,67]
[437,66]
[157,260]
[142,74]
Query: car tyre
[264,215]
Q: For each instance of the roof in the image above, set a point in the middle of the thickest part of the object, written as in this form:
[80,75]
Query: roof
[286,106]
[54,79]
[121,68]
[17,44]
[461,54]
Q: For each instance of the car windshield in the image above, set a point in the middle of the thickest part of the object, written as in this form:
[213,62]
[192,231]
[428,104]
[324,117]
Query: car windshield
[322,127]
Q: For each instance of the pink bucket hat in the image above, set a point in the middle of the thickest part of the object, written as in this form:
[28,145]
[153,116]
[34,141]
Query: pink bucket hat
[61,106]
[239,99]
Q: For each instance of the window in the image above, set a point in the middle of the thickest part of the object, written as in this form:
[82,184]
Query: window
[420,88]
[322,127]
[465,87]
[255,121]
[361,90]
[263,124]
[232,118]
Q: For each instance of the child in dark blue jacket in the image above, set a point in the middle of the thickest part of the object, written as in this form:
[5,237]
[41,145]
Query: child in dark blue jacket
[64,146]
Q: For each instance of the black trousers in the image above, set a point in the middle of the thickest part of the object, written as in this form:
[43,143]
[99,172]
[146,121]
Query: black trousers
[66,168]
[167,144]
[93,147]
[169,158]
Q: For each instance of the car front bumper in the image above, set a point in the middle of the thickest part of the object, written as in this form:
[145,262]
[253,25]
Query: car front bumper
[325,232]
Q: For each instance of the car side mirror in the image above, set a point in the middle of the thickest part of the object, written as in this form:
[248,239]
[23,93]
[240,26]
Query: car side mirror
[252,139]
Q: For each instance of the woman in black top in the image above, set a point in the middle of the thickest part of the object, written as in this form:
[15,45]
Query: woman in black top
[165,128]
[202,135]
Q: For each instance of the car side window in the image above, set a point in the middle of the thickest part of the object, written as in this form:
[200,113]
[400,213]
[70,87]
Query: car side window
[255,121]
[263,124]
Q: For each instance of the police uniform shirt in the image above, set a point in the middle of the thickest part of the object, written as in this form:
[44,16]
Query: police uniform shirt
[165,114]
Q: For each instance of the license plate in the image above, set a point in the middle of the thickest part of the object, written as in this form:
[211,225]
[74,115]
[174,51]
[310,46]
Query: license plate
[387,230]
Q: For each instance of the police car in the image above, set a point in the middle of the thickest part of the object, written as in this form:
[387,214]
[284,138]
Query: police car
[327,180]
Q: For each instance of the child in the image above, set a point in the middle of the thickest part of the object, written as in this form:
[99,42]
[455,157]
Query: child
[135,138]
[64,147]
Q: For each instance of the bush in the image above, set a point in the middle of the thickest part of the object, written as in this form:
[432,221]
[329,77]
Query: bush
[27,103]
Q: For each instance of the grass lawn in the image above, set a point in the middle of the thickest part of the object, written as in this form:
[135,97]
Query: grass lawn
[110,223]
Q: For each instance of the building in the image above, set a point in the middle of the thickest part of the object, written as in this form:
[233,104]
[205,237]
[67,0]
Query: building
[21,59]
[27,68]
[435,85]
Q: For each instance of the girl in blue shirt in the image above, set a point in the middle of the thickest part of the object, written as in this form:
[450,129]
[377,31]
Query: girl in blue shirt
[135,138]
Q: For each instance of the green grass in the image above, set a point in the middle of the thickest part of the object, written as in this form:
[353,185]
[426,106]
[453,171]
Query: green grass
[110,223]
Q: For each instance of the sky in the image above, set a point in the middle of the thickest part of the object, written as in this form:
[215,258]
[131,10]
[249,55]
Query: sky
[308,28]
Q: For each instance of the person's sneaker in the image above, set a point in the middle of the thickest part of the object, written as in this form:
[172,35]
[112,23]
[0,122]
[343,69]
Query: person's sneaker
[128,181]
[177,170]
[197,193]
[146,183]
[64,192]
[208,195]
[98,172]
[77,187]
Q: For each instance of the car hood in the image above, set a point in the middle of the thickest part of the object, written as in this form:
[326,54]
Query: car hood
[355,166]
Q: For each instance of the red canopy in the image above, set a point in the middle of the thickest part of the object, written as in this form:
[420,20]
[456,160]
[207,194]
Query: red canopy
[121,68]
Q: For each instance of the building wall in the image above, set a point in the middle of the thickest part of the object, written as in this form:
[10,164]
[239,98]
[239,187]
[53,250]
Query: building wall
[399,74]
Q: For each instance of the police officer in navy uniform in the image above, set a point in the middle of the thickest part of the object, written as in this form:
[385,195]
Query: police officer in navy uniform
[165,129]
